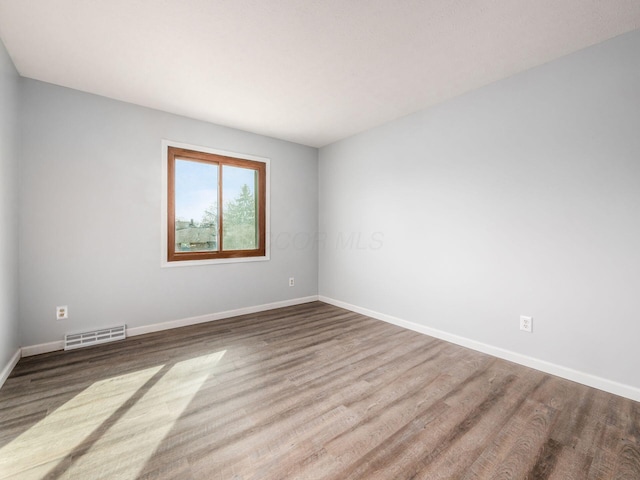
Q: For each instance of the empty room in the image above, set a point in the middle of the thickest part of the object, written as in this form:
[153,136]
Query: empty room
[295,239]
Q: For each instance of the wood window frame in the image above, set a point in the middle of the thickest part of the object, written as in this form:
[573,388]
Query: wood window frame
[173,153]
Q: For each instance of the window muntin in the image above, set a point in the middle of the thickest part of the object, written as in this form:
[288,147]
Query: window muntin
[216,206]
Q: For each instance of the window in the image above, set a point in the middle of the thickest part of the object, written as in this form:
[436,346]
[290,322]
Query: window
[216,206]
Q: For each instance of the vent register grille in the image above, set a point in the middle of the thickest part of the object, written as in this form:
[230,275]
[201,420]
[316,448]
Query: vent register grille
[95,337]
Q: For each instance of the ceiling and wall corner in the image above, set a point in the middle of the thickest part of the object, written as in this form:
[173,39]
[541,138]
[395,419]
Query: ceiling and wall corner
[310,72]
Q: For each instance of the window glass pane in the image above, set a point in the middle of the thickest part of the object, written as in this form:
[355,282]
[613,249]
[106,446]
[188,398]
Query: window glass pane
[239,224]
[196,206]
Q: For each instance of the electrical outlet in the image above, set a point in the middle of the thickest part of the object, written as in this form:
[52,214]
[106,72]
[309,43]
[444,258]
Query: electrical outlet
[526,323]
[62,313]
[292,281]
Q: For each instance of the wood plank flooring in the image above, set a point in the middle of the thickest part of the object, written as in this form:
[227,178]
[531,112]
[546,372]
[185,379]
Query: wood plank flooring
[306,392]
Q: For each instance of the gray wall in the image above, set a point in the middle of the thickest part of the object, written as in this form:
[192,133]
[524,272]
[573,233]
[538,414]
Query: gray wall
[8,208]
[522,197]
[91,211]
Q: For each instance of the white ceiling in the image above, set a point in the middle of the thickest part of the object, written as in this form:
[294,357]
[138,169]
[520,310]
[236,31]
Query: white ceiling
[308,71]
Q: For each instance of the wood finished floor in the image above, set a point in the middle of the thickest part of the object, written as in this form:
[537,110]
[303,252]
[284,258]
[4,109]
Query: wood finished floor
[305,392]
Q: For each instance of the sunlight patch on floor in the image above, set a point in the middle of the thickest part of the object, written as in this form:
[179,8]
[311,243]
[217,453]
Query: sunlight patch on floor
[61,431]
[98,422]
[133,439]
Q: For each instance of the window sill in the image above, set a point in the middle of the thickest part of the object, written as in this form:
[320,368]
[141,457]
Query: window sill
[213,261]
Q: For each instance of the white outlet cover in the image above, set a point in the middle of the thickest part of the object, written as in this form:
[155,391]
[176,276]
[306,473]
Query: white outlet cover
[62,312]
[526,323]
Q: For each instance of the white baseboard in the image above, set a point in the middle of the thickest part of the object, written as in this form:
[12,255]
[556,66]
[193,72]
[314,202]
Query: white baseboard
[31,350]
[131,332]
[594,381]
[156,327]
[6,371]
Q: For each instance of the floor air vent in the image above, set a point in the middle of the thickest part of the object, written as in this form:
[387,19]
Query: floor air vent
[77,340]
